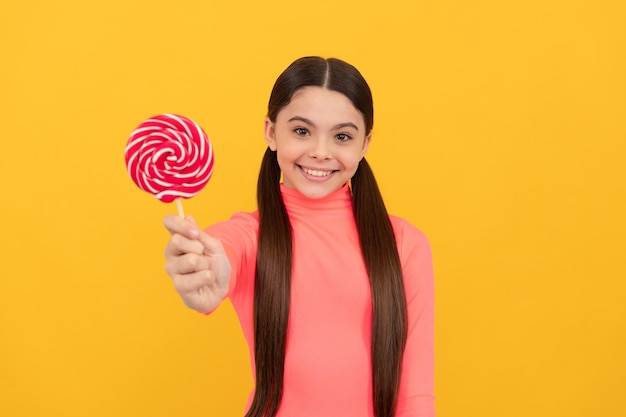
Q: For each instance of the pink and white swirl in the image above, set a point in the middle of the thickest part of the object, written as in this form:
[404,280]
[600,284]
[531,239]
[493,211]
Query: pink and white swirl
[170,157]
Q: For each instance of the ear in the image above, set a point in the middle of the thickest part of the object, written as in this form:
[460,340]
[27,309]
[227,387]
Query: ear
[270,134]
[366,144]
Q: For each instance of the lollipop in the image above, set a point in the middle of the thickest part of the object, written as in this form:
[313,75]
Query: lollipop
[170,157]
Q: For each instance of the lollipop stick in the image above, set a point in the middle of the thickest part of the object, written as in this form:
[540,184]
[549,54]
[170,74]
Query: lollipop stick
[179,204]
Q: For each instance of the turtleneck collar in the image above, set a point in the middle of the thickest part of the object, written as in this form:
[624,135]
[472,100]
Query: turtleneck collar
[339,199]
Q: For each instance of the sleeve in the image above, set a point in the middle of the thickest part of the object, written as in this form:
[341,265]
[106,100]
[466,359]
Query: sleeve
[238,235]
[416,397]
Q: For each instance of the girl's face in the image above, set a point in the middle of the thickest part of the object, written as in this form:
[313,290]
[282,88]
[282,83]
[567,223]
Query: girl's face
[319,138]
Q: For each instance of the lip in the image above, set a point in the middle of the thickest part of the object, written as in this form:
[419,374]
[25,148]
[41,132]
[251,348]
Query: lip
[313,177]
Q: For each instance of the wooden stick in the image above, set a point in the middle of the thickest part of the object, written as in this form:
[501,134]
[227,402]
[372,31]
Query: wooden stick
[179,204]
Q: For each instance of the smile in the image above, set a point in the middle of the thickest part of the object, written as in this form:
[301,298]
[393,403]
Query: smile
[316,172]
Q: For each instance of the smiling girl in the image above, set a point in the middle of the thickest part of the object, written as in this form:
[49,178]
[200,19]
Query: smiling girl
[334,296]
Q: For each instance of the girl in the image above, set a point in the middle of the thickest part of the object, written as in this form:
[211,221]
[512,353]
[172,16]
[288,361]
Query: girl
[334,295]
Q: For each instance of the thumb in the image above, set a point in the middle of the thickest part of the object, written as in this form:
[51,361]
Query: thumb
[190,219]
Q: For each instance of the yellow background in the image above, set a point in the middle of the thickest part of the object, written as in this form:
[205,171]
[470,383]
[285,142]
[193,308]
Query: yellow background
[500,131]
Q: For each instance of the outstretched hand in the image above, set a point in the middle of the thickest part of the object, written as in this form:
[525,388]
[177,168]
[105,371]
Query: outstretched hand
[197,264]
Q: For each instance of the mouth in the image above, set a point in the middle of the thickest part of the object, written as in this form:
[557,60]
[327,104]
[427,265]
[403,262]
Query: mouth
[317,173]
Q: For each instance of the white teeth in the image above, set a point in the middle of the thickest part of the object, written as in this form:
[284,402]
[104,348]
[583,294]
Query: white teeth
[317,173]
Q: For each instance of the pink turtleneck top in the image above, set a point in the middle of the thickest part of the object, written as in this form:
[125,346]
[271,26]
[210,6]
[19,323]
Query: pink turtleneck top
[328,360]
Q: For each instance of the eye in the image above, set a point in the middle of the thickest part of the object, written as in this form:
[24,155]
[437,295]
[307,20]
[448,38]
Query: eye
[300,131]
[343,137]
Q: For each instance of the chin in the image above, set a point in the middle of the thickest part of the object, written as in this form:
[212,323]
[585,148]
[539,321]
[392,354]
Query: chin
[316,193]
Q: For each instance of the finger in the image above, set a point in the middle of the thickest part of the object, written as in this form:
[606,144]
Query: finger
[180,245]
[191,283]
[186,264]
[176,224]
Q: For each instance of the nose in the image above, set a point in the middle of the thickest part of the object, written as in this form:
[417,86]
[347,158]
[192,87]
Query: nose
[320,149]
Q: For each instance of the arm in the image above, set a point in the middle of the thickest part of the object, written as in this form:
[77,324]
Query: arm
[416,396]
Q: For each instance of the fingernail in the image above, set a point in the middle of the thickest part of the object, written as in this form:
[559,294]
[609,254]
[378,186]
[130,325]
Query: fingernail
[193,233]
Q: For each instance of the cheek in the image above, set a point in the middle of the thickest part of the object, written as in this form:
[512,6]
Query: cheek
[285,159]
[351,160]
[289,151]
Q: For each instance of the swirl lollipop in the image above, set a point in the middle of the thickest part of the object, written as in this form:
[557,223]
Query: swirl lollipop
[170,157]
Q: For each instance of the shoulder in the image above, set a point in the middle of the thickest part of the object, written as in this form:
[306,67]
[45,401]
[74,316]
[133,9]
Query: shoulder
[408,237]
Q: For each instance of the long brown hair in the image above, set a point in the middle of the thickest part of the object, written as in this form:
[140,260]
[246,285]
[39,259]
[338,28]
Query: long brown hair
[274,256]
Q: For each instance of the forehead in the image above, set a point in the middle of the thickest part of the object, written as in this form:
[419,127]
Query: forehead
[321,105]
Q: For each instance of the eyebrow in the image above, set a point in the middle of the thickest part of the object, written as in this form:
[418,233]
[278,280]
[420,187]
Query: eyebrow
[310,123]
